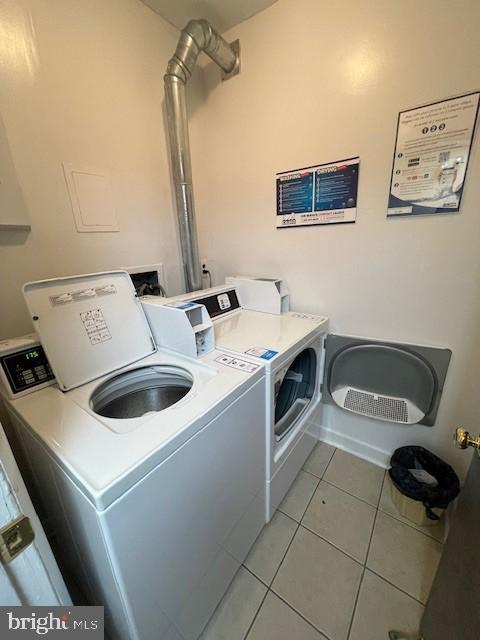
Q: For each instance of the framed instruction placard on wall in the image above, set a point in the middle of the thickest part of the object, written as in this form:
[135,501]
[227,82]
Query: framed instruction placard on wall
[322,194]
[431,156]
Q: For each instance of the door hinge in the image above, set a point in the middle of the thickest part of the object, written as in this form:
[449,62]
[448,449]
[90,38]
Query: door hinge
[15,537]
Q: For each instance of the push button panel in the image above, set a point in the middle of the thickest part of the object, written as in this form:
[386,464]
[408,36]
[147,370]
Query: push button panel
[236,363]
[27,368]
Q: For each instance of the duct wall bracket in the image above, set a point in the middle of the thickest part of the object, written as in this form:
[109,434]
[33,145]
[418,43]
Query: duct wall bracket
[235,46]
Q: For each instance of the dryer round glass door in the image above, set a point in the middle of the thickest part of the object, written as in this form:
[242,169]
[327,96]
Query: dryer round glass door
[139,391]
[294,391]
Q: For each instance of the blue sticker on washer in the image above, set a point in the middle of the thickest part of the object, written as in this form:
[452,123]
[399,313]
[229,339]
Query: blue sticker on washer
[182,305]
[259,352]
[268,355]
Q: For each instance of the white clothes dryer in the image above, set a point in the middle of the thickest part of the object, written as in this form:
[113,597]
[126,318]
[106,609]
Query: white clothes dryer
[149,466]
[291,346]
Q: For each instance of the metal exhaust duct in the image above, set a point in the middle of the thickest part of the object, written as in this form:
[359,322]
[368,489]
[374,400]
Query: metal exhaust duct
[196,37]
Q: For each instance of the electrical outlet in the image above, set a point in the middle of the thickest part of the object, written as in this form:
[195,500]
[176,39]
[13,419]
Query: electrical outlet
[206,273]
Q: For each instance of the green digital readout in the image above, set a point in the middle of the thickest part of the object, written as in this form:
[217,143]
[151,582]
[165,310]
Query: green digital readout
[31,354]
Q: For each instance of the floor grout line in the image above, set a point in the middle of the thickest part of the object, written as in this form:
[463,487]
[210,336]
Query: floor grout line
[326,466]
[354,610]
[322,478]
[309,500]
[301,615]
[274,576]
[351,494]
[357,596]
[381,488]
[397,517]
[255,576]
[411,525]
[395,586]
[332,544]
[374,525]
[256,614]
[284,555]
[269,587]
[299,524]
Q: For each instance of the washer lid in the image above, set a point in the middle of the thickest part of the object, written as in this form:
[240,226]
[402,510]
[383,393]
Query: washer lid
[89,325]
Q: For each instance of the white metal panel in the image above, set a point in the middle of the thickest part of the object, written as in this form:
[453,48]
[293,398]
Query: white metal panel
[196,500]
[77,529]
[268,295]
[284,469]
[104,461]
[249,330]
[91,198]
[33,577]
[165,552]
[289,334]
[89,325]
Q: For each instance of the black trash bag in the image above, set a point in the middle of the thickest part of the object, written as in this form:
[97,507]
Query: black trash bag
[438,496]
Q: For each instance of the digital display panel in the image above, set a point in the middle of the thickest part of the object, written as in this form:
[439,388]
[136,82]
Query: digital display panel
[27,368]
[217,305]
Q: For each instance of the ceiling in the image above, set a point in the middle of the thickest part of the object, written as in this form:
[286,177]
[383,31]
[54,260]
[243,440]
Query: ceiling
[222,14]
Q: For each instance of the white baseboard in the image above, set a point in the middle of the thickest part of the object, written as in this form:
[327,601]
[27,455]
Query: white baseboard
[356,447]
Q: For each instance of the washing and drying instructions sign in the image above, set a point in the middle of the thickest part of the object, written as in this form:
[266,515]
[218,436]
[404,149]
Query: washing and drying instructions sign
[322,194]
[431,156]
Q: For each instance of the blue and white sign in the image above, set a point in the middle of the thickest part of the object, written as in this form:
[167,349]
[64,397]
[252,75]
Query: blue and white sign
[431,157]
[259,352]
[322,194]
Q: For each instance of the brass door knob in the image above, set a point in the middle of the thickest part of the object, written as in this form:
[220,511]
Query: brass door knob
[463,439]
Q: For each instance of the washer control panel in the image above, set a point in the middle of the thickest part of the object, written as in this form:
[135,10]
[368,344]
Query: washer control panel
[236,363]
[218,304]
[24,369]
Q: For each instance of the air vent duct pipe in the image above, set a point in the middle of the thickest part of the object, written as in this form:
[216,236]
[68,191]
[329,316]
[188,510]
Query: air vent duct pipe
[197,36]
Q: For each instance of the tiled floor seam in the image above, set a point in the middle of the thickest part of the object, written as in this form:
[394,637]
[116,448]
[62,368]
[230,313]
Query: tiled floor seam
[331,544]
[302,524]
[326,466]
[354,610]
[395,586]
[300,614]
[377,506]
[329,462]
[265,584]
[256,613]
[381,488]
[350,626]
[268,586]
[428,535]
[308,504]
[283,558]
[351,494]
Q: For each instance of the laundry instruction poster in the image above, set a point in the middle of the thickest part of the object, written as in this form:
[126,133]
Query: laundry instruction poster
[431,157]
[322,194]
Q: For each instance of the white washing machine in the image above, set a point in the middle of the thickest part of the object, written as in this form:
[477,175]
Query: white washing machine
[149,466]
[291,347]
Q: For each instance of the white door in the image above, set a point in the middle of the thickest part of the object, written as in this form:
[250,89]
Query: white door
[32,577]
[452,611]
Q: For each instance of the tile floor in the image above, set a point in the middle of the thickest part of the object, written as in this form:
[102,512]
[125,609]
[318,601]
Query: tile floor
[336,562]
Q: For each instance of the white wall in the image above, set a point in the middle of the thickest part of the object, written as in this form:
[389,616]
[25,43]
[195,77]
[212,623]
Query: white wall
[82,81]
[323,81]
